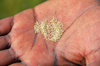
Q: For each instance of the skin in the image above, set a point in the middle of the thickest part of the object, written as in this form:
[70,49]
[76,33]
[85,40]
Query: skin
[79,44]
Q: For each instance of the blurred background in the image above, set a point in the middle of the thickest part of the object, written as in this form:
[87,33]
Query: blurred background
[12,7]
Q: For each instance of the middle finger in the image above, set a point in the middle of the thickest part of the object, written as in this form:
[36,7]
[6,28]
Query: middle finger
[4,44]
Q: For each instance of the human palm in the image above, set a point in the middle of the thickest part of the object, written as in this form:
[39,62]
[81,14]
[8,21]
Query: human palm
[77,45]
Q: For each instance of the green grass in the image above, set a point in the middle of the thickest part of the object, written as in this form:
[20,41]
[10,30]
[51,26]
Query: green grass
[12,7]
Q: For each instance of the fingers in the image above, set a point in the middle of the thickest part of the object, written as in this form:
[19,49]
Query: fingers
[17,64]
[7,57]
[3,43]
[5,25]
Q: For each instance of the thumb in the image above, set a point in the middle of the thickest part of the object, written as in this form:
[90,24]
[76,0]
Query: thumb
[96,63]
[93,58]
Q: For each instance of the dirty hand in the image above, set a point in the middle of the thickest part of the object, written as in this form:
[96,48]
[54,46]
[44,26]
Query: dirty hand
[78,45]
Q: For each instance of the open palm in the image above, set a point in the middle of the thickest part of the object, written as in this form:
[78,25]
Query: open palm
[78,44]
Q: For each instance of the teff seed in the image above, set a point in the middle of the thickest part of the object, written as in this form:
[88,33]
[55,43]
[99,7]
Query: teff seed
[51,31]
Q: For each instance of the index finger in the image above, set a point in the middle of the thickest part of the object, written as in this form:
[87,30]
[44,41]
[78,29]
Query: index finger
[5,25]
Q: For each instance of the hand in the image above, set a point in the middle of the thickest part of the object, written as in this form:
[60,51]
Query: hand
[79,44]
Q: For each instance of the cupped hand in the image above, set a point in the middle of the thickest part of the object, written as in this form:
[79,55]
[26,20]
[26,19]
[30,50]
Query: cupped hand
[79,44]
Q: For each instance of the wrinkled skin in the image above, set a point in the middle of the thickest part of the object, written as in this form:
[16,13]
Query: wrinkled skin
[79,44]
